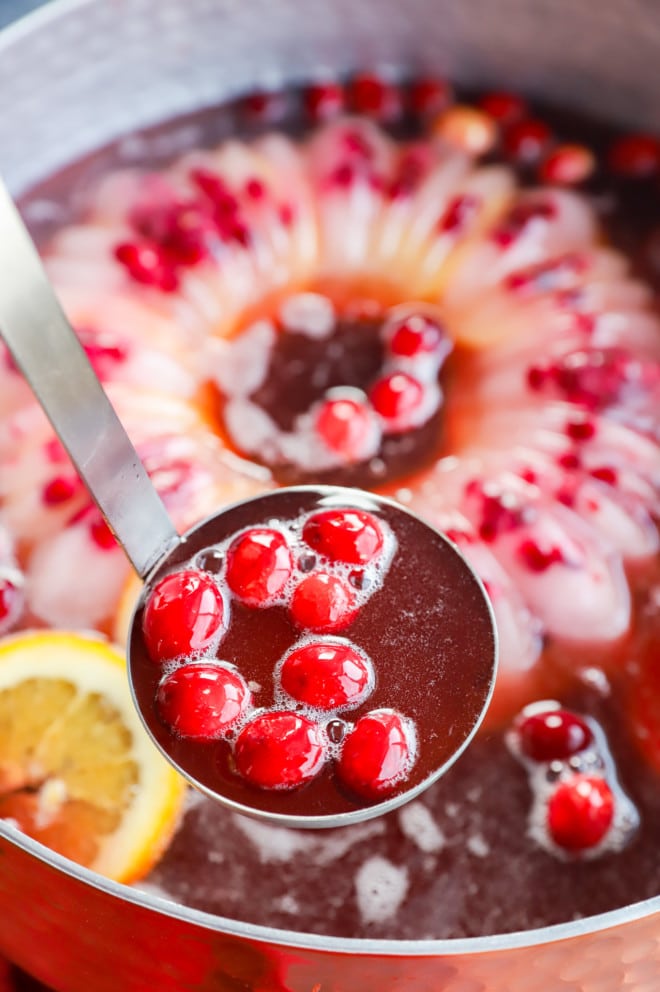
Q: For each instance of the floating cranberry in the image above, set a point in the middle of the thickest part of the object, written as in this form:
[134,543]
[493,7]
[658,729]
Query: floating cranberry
[324,101]
[11,602]
[322,602]
[184,614]
[202,700]
[580,812]
[467,128]
[375,97]
[396,397]
[326,675]
[148,264]
[526,141]
[429,95]
[346,426]
[259,564]
[636,156]
[553,735]
[377,754]
[416,335]
[505,108]
[279,750]
[567,165]
[353,536]
[60,489]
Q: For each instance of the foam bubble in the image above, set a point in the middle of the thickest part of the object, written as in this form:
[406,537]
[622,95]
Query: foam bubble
[380,888]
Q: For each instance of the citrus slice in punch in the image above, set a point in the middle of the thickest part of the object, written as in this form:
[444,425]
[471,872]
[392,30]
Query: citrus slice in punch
[77,770]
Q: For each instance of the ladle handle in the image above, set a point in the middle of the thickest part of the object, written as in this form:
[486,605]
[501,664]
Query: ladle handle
[46,349]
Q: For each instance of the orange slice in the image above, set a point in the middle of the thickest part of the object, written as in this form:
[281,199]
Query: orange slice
[77,770]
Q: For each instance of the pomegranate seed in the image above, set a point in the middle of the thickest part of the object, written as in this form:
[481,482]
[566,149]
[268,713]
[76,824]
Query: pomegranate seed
[569,460]
[326,675]
[60,489]
[468,129]
[279,750]
[606,474]
[500,511]
[259,564]
[352,536]
[505,108]
[322,602]
[516,222]
[429,96]
[148,264]
[255,189]
[345,426]
[526,141]
[202,700]
[377,754]
[580,812]
[184,614]
[371,95]
[538,559]
[179,229]
[553,735]
[555,276]
[636,156]
[416,335]
[568,165]
[412,167]
[11,603]
[396,396]
[323,101]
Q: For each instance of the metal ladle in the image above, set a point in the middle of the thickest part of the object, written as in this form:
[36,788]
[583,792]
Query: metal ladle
[48,352]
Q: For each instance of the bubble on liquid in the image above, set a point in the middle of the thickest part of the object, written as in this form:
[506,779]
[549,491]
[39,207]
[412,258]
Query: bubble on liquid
[308,313]
[418,825]
[380,888]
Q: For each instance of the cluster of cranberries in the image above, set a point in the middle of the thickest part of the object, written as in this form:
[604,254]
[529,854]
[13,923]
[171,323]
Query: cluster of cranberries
[404,396]
[579,809]
[321,569]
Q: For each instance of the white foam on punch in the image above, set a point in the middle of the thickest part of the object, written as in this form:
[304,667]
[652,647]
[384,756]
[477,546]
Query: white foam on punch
[418,824]
[240,366]
[380,888]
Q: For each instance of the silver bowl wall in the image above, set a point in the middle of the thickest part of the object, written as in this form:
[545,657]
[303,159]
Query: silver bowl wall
[82,72]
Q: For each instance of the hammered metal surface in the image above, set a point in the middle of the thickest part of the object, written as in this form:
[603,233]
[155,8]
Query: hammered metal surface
[82,72]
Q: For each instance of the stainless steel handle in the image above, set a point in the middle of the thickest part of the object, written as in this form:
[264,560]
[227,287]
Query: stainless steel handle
[46,349]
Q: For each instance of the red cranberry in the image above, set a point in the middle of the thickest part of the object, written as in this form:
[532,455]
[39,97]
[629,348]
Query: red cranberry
[567,165]
[458,214]
[537,558]
[322,602]
[526,141]
[324,101]
[377,754]
[395,396]
[326,675]
[553,735]
[636,156]
[148,264]
[202,700]
[184,614]
[60,489]
[416,335]
[259,564]
[429,95]
[11,603]
[505,108]
[580,812]
[100,533]
[279,750]
[375,97]
[266,107]
[345,425]
[353,536]
[606,474]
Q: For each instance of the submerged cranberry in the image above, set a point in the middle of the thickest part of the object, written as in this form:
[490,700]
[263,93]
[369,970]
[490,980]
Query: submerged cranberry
[553,735]
[326,675]
[324,100]
[184,614]
[376,97]
[322,602]
[353,536]
[580,812]
[279,750]
[526,141]
[377,754]
[429,95]
[504,107]
[259,564]
[202,700]
[636,156]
